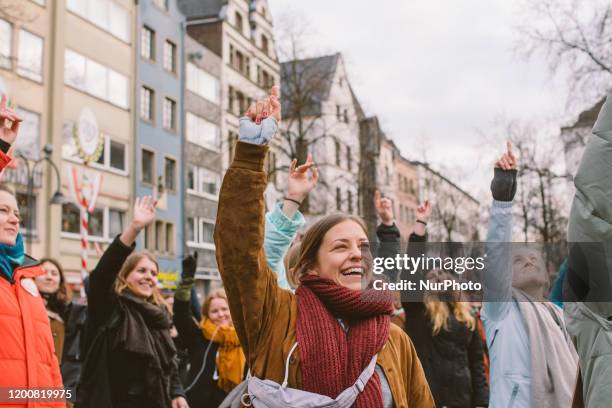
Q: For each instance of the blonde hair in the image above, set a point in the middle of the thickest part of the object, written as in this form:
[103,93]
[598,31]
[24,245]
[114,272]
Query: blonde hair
[130,263]
[215,294]
[439,310]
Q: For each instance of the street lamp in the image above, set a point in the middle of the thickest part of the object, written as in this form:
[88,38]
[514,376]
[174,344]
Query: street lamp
[58,197]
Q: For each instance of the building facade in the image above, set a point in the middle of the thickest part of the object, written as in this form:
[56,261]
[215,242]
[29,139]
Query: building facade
[241,33]
[203,158]
[159,129]
[455,213]
[328,124]
[68,61]
[407,201]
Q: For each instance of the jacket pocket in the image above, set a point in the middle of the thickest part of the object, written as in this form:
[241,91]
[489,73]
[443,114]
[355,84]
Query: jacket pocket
[515,390]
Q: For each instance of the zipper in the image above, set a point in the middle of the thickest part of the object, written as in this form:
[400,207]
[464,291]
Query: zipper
[494,337]
[513,396]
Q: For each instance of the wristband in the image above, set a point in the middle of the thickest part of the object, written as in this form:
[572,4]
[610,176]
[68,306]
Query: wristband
[421,222]
[292,200]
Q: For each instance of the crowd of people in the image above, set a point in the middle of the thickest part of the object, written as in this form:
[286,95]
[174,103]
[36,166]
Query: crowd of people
[297,323]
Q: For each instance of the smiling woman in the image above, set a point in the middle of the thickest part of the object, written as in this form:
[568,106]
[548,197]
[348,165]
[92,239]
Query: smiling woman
[131,358]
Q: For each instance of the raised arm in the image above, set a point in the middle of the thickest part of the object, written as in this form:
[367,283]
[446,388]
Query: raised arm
[9,128]
[183,318]
[251,286]
[283,223]
[416,247]
[102,278]
[498,274]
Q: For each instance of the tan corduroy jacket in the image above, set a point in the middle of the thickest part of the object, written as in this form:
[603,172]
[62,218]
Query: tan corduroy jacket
[263,313]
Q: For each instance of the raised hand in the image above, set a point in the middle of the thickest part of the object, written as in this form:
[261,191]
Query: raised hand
[508,160]
[190,264]
[503,186]
[8,134]
[302,179]
[423,212]
[143,213]
[254,128]
[384,208]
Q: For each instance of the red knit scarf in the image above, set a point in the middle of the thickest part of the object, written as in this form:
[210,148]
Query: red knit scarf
[332,359]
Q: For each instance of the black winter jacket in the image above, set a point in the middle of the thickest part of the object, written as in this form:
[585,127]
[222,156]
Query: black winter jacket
[113,375]
[453,358]
[200,387]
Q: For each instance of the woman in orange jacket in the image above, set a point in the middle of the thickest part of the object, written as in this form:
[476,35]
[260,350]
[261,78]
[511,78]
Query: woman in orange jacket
[27,357]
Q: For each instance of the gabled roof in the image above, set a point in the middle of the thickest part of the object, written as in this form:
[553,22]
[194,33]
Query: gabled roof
[313,77]
[197,9]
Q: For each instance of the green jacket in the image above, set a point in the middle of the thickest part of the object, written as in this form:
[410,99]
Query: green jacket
[591,222]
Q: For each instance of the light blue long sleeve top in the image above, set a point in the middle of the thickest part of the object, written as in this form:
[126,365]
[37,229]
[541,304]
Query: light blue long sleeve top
[279,234]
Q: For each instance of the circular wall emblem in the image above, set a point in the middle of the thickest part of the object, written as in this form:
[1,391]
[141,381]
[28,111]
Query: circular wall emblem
[88,140]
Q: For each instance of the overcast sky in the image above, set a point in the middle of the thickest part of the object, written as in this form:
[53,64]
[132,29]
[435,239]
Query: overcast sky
[437,69]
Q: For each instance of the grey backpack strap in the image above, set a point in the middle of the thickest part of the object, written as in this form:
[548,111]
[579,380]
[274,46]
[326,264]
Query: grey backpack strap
[366,374]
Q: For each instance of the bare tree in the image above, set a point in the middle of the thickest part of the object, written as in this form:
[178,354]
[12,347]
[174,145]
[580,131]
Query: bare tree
[574,35]
[307,122]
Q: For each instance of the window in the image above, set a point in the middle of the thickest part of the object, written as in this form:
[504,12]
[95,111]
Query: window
[337,144]
[238,22]
[170,174]
[349,198]
[201,232]
[159,236]
[230,99]
[202,83]
[163,4]
[346,119]
[117,157]
[338,112]
[5,45]
[169,56]
[190,228]
[148,167]
[30,56]
[71,220]
[264,44]
[349,159]
[202,132]
[169,238]
[203,181]
[95,79]
[28,142]
[147,103]
[27,218]
[169,117]
[338,199]
[106,14]
[71,216]
[116,222]
[147,43]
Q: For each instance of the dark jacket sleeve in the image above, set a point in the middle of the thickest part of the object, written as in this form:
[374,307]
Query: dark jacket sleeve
[480,387]
[388,246]
[186,325]
[101,295]
[176,388]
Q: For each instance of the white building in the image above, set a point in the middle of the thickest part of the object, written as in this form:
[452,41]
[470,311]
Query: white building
[329,118]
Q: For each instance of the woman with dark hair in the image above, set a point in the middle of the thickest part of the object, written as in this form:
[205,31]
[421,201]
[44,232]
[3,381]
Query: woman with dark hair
[131,358]
[67,320]
[27,358]
[331,340]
